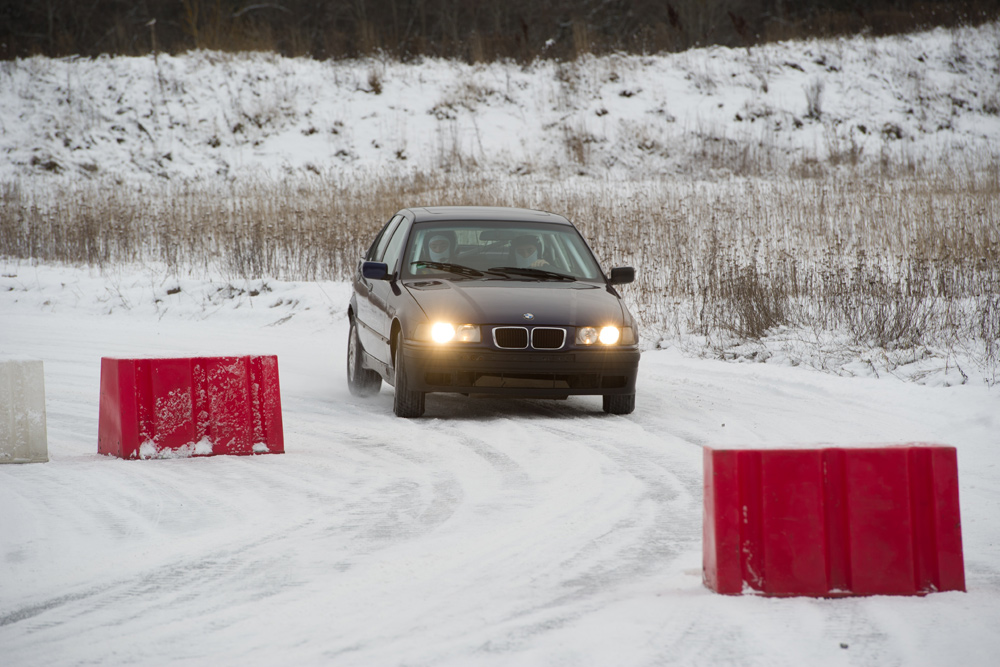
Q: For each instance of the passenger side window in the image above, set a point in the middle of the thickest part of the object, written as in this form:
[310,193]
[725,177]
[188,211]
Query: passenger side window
[395,247]
[376,252]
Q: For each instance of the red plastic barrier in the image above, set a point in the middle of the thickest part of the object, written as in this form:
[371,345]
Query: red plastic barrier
[203,406]
[833,522]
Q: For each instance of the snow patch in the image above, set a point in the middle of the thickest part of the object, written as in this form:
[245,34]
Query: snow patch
[150,450]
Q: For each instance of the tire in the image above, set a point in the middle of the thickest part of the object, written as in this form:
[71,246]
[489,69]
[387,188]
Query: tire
[407,404]
[360,380]
[619,404]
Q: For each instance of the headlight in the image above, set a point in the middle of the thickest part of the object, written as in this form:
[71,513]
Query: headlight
[446,332]
[609,335]
[591,335]
[586,336]
[442,332]
[467,333]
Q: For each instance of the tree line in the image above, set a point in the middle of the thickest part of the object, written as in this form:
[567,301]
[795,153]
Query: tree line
[473,30]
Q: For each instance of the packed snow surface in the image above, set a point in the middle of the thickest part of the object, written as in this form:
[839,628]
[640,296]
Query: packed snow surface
[490,532]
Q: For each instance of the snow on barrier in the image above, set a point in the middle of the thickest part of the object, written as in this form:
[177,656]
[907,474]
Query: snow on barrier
[202,406]
[832,522]
[23,438]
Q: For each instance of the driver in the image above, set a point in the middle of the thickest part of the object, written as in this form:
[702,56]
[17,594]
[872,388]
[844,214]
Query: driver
[527,252]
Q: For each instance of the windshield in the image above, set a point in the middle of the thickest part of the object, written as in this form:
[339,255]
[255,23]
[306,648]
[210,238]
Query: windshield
[496,250]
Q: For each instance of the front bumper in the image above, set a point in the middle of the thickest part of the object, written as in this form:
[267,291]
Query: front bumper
[477,370]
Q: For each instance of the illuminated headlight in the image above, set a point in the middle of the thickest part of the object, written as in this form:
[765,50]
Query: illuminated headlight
[609,335]
[442,332]
[605,335]
[446,332]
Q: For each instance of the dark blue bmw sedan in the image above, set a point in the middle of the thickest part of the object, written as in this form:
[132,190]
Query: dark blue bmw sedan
[483,300]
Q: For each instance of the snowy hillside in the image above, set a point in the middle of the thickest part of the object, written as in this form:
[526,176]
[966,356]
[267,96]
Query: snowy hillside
[914,99]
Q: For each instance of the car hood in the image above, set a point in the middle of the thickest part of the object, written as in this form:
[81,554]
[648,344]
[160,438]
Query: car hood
[506,302]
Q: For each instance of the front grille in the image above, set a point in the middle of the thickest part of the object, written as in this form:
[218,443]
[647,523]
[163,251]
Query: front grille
[542,338]
[547,339]
[511,338]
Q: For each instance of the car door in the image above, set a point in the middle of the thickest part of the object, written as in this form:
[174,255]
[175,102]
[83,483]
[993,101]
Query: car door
[384,295]
[368,309]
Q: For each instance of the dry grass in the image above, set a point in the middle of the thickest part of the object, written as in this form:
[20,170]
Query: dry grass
[897,262]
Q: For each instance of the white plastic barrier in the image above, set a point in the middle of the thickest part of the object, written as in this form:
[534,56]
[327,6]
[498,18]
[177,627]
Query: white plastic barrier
[23,438]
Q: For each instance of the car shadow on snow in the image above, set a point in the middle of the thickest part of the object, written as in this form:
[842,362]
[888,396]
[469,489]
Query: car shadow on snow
[451,406]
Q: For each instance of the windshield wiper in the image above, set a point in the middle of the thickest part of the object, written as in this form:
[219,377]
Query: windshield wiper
[529,272]
[449,268]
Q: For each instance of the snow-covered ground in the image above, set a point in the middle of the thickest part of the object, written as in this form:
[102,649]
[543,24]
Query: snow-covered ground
[488,533]
[924,98]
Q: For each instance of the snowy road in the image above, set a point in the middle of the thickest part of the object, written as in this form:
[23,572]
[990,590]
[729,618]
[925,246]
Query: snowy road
[488,532]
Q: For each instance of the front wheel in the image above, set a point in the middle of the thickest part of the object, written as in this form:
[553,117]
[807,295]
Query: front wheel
[360,380]
[619,404]
[405,403]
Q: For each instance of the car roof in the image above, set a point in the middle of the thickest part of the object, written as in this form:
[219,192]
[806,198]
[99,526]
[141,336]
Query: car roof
[475,213]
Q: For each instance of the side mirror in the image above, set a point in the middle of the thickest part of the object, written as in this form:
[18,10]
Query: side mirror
[622,275]
[375,270]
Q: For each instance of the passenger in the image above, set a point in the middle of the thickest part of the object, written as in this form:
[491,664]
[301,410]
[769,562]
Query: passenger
[527,252]
[439,248]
